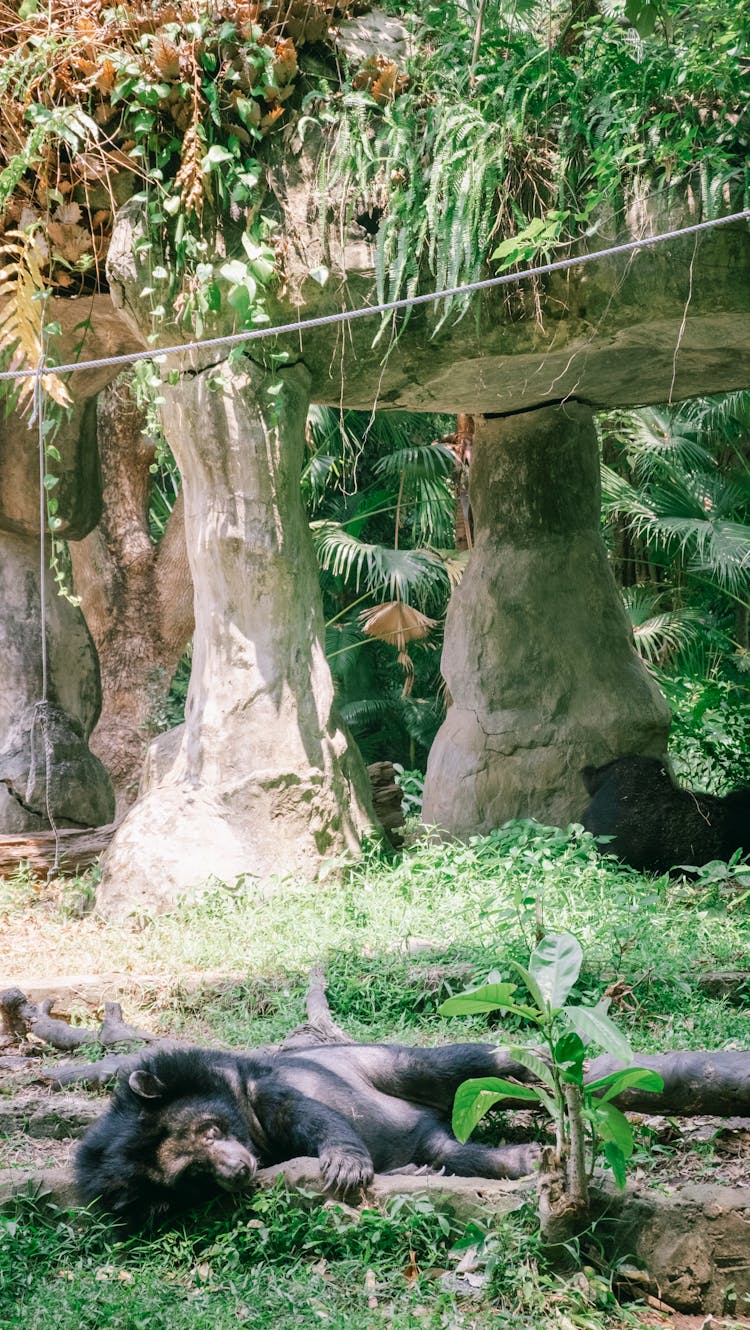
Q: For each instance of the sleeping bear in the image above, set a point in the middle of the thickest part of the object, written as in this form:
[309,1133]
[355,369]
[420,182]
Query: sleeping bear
[188,1123]
[654,824]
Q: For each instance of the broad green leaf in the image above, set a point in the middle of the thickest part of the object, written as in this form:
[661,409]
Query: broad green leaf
[595,1027]
[569,1055]
[555,965]
[215,156]
[476,1097]
[612,1125]
[616,1160]
[319,274]
[235,271]
[533,1063]
[643,15]
[532,986]
[617,1081]
[489,997]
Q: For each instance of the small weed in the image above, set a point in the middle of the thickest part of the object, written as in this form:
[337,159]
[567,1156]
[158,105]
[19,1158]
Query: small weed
[19,892]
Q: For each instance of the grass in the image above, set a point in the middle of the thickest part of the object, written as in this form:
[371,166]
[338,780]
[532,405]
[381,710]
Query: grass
[396,937]
[277,1263]
[382,931]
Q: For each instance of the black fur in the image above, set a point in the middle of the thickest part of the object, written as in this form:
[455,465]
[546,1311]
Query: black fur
[188,1123]
[657,826]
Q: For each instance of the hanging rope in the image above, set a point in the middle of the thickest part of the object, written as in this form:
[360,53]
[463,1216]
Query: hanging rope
[42,719]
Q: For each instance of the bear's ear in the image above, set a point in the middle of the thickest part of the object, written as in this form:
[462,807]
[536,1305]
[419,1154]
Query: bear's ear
[145,1084]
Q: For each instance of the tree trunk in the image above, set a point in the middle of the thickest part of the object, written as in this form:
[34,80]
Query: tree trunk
[261,782]
[137,597]
[538,656]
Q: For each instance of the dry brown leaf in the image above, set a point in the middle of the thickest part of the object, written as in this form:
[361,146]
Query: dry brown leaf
[190,177]
[271,117]
[411,1272]
[165,56]
[396,624]
[70,243]
[381,78]
[21,315]
[284,65]
[104,79]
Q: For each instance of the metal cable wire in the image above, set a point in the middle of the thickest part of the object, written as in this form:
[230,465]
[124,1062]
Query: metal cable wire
[388,306]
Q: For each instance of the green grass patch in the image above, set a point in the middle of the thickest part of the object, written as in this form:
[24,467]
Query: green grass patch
[397,936]
[281,1261]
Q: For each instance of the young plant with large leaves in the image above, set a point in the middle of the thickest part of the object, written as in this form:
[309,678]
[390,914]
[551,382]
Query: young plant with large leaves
[585,1119]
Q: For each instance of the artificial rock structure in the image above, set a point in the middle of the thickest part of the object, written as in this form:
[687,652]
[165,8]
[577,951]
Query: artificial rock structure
[538,654]
[46,768]
[262,780]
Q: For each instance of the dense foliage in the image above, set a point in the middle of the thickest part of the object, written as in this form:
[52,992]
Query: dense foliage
[531,120]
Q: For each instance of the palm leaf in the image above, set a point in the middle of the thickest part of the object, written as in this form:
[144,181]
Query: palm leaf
[393,572]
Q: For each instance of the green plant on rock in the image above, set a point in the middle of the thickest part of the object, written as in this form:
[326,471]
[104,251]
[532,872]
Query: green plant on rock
[524,124]
[586,1122]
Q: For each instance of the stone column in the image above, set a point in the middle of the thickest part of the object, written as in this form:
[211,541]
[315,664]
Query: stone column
[261,781]
[47,771]
[538,656]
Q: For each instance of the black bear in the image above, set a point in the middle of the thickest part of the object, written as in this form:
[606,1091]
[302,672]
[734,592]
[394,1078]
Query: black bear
[187,1123]
[655,825]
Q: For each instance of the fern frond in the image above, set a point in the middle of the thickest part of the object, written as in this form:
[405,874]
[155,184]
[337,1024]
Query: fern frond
[22,287]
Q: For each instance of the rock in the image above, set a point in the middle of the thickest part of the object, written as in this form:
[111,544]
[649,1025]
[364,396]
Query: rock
[48,1116]
[48,772]
[374,33]
[262,782]
[80,791]
[538,655]
[693,1242]
[50,1184]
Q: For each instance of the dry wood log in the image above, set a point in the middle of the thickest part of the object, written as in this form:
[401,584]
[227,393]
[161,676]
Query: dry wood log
[320,1027]
[95,1075]
[19,1018]
[702,1083]
[77,848]
[696,1082]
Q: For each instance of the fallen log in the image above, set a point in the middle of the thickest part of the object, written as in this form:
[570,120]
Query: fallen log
[77,848]
[699,1083]
[696,1082]
[19,1018]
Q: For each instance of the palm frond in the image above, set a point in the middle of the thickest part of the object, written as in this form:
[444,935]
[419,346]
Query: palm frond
[621,499]
[659,634]
[720,549]
[399,574]
[417,461]
[655,440]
